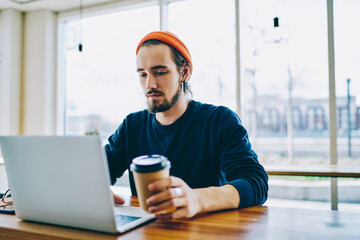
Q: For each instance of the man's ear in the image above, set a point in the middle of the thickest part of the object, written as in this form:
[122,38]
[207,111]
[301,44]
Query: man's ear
[185,72]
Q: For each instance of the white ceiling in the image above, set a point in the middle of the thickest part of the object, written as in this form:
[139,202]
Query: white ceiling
[54,5]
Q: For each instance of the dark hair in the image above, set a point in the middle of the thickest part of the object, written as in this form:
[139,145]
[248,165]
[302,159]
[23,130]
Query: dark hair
[179,60]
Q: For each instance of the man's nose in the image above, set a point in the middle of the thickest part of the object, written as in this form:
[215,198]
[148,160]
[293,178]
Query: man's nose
[151,82]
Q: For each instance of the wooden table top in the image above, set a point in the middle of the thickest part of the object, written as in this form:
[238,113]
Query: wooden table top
[258,222]
[317,170]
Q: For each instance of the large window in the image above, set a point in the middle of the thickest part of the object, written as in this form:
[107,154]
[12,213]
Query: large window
[102,85]
[284,78]
[285,91]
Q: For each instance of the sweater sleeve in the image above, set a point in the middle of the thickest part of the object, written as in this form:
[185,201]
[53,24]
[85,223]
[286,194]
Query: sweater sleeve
[239,163]
[116,153]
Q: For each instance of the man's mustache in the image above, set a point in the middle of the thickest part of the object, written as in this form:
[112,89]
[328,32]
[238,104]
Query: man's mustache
[153,91]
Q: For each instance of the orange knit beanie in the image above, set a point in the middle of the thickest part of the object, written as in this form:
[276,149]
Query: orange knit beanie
[172,40]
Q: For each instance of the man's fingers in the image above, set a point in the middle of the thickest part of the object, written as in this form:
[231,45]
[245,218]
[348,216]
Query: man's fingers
[118,200]
[170,193]
[174,202]
[163,183]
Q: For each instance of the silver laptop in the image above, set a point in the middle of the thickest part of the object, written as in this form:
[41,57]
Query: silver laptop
[65,181]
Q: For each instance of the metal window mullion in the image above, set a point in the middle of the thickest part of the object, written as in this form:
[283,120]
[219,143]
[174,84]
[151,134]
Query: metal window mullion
[332,101]
[237,52]
[61,78]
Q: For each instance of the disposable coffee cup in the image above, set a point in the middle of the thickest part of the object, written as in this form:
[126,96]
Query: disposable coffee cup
[147,169]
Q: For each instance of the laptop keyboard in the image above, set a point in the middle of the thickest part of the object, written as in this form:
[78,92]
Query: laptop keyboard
[123,219]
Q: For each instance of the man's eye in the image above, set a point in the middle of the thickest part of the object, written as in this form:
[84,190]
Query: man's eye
[142,75]
[160,73]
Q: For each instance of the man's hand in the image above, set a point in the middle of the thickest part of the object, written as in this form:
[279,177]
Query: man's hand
[177,194]
[117,199]
[174,193]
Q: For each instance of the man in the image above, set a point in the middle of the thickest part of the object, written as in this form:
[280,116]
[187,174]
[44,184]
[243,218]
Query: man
[213,165]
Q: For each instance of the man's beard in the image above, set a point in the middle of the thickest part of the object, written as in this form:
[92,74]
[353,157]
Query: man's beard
[156,107]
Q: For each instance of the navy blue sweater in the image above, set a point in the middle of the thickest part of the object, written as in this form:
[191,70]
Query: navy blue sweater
[207,146]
